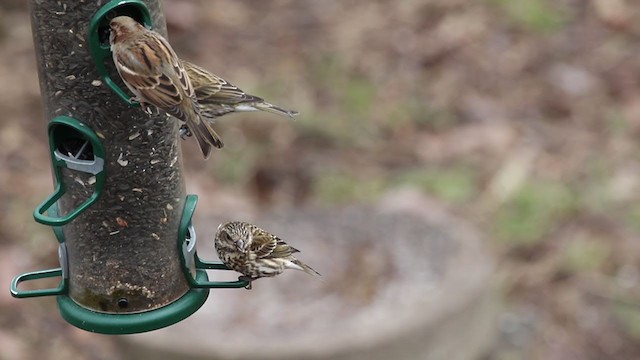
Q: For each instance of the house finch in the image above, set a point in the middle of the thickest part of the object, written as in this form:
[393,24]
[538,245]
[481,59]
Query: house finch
[255,253]
[153,72]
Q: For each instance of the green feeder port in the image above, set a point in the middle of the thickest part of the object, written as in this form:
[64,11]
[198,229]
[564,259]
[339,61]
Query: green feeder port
[74,146]
[189,256]
[99,38]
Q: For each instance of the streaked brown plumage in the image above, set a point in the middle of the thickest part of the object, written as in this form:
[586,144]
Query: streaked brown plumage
[153,72]
[219,97]
[254,252]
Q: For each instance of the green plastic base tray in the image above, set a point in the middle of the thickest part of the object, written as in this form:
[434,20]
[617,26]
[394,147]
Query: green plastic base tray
[120,324]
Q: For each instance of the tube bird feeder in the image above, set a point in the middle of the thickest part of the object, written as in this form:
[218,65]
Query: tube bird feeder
[119,210]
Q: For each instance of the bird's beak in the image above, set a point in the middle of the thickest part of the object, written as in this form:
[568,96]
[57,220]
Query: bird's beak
[240,245]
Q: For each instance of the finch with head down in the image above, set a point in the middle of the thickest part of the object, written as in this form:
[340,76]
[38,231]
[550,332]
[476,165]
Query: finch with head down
[254,252]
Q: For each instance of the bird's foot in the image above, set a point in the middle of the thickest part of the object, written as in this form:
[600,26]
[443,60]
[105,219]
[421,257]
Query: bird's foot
[247,278]
[145,107]
[149,109]
[185,132]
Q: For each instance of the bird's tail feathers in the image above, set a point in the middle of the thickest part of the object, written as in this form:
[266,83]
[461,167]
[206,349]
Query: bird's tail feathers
[204,145]
[299,265]
[205,136]
[265,106]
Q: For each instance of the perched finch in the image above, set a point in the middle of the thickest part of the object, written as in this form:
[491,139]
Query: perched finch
[219,97]
[255,253]
[153,72]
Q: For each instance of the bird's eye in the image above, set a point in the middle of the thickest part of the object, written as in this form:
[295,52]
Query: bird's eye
[225,236]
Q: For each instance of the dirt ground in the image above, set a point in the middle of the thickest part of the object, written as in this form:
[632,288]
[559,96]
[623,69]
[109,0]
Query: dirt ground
[520,116]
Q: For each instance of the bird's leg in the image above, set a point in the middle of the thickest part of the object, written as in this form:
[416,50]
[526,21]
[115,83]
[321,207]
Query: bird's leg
[145,107]
[247,278]
[185,132]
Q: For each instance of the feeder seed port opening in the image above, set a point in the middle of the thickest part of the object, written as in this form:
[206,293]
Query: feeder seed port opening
[99,37]
[189,256]
[74,146]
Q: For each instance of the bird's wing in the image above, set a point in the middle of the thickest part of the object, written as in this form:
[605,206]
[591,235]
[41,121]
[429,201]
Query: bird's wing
[212,89]
[269,246]
[283,250]
[204,82]
[156,72]
[229,93]
[262,243]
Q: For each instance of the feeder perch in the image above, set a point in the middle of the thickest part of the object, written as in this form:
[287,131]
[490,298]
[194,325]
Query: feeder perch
[120,213]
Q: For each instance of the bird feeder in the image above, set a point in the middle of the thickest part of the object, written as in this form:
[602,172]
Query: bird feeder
[120,212]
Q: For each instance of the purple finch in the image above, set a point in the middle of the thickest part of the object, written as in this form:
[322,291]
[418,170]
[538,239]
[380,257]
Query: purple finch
[153,72]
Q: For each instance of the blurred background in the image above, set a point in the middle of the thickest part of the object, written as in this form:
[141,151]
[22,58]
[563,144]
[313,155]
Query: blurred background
[520,117]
